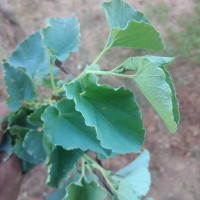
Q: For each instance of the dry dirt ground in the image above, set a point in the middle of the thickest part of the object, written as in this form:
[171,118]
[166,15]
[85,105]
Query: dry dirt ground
[175,159]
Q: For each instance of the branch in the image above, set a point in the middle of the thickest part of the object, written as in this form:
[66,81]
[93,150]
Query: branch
[104,183]
[59,65]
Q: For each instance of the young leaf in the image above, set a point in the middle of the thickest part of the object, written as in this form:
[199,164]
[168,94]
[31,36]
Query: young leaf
[62,36]
[67,128]
[21,152]
[29,143]
[61,165]
[6,146]
[151,79]
[130,28]
[19,87]
[136,178]
[85,190]
[18,131]
[61,192]
[35,117]
[31,56]
[33,144]
[112,112]
[18,118]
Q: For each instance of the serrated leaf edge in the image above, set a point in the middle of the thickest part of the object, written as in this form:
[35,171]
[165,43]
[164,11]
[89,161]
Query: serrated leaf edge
[115,89]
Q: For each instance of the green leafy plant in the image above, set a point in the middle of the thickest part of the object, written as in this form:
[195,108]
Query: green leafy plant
[78,123]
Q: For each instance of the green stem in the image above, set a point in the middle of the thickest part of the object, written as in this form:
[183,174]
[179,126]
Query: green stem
[105,49]
[109,73]
[83,168]
[116,68]
[89,168]
[28,103]
[104,172]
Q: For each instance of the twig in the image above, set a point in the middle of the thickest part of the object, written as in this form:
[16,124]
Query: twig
[98,161]
[59,65]
[103,181]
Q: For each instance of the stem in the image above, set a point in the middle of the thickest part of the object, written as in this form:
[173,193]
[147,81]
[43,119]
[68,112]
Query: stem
[104,172]
[28,103]
[59,65]
[57,91]
[83,168]
[105,49]
[109,73]
[116,68]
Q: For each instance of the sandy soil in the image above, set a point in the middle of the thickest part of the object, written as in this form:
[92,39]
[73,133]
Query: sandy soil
[175,163]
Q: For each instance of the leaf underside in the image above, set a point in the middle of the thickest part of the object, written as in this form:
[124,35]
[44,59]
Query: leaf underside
[156,85]
[134,181]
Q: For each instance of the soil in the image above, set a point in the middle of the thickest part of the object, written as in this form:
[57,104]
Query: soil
[175,159]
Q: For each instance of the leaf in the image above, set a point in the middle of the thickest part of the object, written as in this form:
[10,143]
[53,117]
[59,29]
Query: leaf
[33,144]
[35,117]
[28,145]
[139,35]
[57,195]
[152,81]
[18,117]
[175,103]
[67,128]
[19,87]
[61,192]
[163,62]
[135,178]
[142,160]
[6,146]
[61,165]
[85,190]
[26,166]
[119,13]
[31,56]
[19,150]
[18,131]
[130,28]
[138,183]
[62,36]
[112,112]
[49,148]
[125,192]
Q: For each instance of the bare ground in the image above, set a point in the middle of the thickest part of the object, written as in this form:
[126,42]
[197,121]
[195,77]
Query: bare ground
[175,159]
